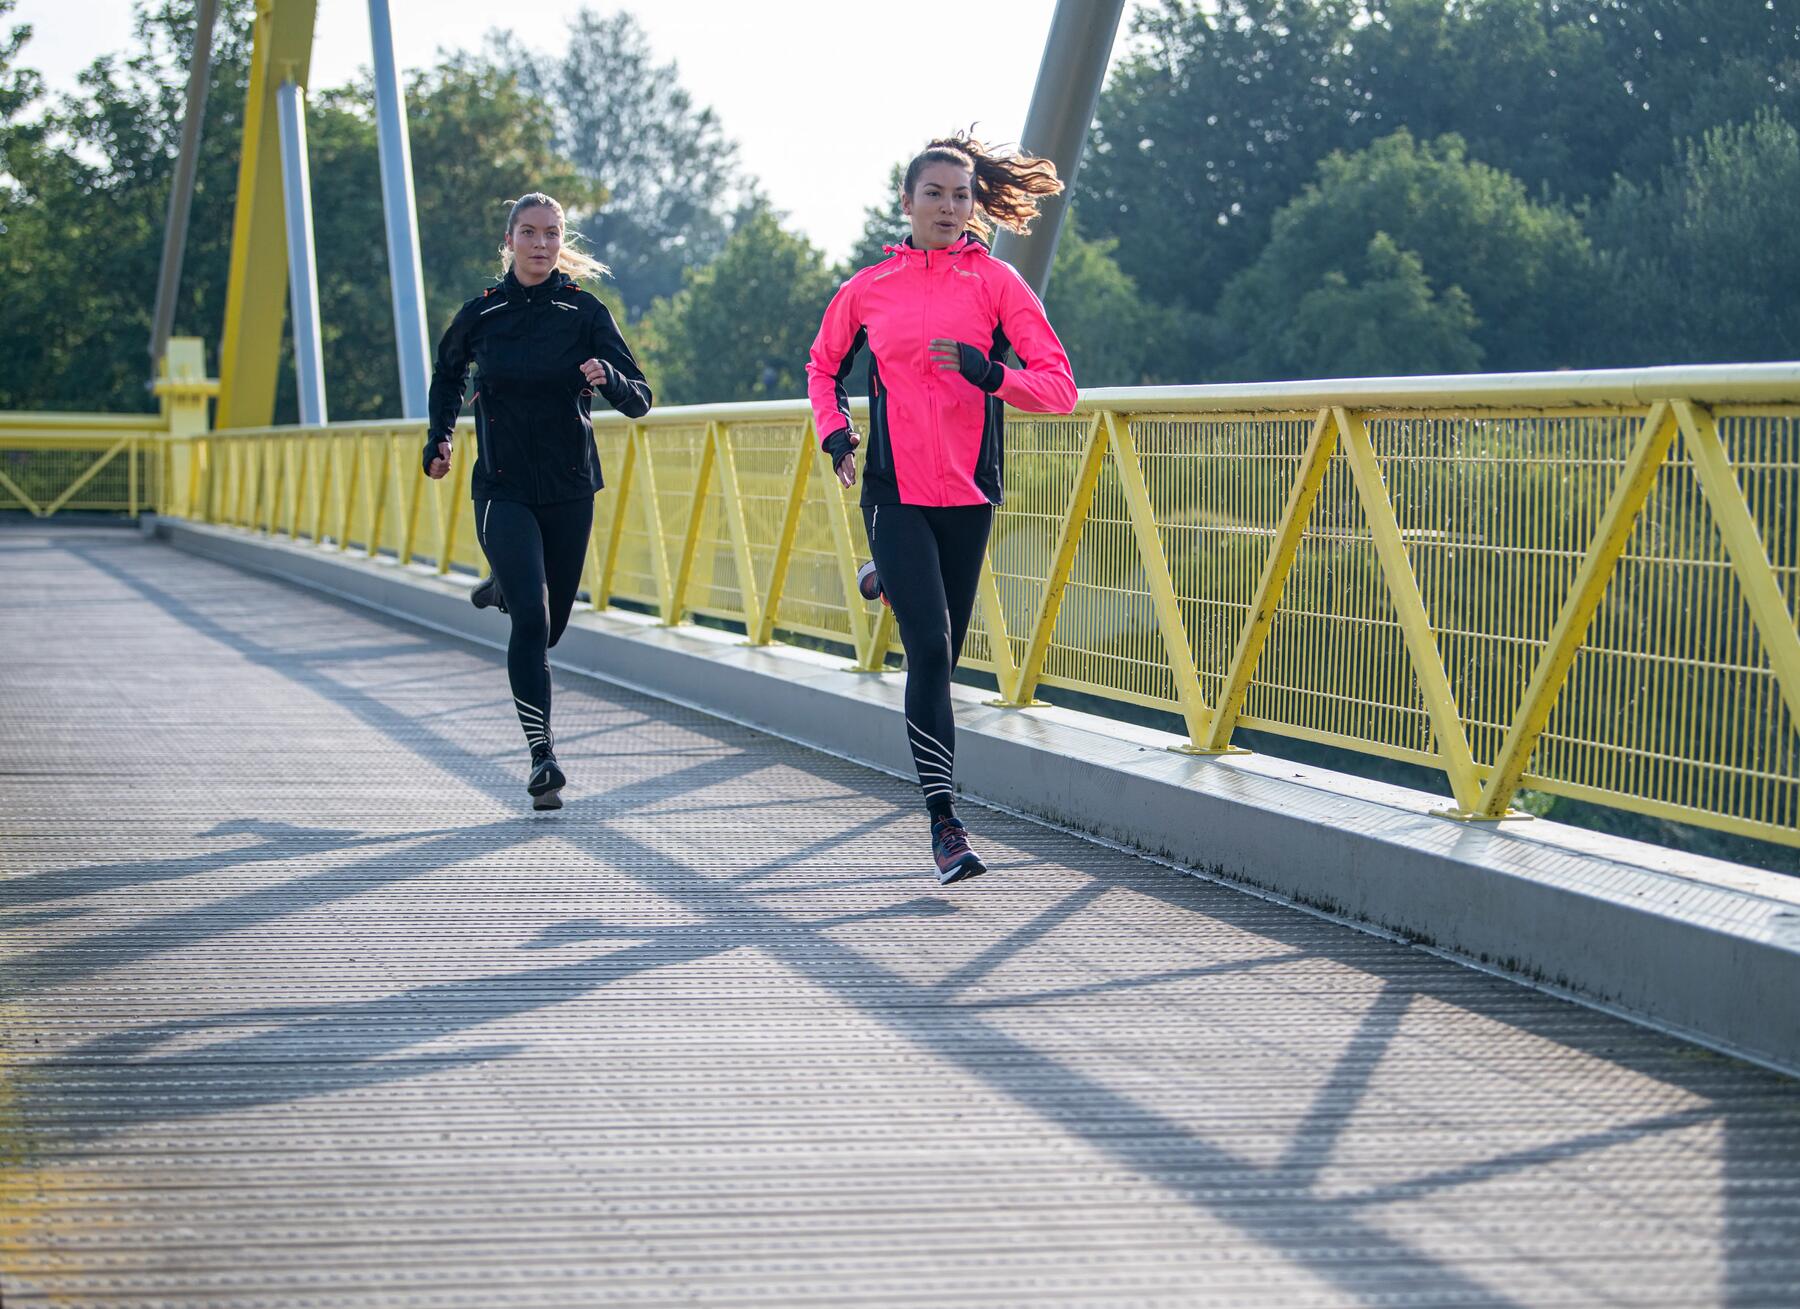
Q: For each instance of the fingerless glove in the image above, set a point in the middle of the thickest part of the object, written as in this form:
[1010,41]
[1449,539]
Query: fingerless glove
[839,444]
[977,369]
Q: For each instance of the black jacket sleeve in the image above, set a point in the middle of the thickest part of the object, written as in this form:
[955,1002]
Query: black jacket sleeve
[449,376]
[626,390]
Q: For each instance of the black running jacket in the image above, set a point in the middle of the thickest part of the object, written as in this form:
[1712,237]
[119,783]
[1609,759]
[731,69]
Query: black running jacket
[534,438]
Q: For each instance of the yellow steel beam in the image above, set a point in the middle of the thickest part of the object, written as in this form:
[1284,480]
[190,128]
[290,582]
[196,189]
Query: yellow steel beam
[1283,550]
[738,525]
[1415,625]
[863,636]
[256,293]
[1194,708]
[1618,519]
[690,539]
[799,479]
[1020,691]
[19,492]
[659,554]
[602,593]
[1769,609]
[993,617]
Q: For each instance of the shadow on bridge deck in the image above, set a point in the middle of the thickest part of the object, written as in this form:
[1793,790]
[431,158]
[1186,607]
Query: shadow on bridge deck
[303,1004]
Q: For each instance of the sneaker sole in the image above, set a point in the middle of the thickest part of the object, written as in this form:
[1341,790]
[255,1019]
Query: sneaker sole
[551,799]
[962,872]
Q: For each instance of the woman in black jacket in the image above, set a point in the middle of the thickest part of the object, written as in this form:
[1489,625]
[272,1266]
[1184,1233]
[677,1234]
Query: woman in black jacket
[541,347]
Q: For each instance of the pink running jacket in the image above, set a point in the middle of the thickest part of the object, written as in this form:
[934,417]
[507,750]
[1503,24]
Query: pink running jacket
[935,438]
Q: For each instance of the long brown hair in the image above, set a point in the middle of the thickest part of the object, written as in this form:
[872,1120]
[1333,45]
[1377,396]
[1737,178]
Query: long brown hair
[576,263]
[1006,183]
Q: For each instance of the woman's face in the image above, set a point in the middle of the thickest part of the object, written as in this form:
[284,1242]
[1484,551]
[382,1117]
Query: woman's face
[941,202]
[535,240]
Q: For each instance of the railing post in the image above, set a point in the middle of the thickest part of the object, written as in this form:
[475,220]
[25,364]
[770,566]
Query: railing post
[1283,551]
[616,529]
[739,527]
[1194,708]
[1020,693]
[1748,553]
[798,481]
[1617,522]
[690,540]
[1409,605]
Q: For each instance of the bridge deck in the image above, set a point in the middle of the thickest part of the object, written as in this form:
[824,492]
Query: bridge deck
[303,1006]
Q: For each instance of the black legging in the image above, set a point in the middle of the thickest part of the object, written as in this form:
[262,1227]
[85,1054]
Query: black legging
[537,552]
[929,559]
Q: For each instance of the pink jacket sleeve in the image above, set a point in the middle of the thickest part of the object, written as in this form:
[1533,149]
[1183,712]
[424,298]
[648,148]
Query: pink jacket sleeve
[1045,384]
[840,335]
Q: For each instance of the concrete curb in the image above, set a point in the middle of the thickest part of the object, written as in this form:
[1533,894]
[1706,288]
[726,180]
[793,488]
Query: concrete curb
[1701,948]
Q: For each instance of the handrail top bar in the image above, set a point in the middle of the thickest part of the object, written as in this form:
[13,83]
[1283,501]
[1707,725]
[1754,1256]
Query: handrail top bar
[60,421]
[1706,383]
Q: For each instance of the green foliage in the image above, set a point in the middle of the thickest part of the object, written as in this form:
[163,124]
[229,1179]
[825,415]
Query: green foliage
[1391,322]
[741,327]
[1115,335]
[1207,128]
[1703,263]
[1445,263]
[84,224]
[84,240]
[1221,112]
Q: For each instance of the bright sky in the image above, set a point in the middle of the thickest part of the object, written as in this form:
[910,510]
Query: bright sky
[780,73]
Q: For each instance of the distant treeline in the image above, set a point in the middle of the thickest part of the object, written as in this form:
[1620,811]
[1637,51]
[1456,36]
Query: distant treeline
[1273,189]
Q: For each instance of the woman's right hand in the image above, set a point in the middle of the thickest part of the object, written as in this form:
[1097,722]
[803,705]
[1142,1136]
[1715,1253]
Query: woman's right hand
[440,464]
[842,444]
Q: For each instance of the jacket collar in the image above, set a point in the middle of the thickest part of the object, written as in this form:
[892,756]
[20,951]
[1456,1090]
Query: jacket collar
[514,289]
[966,244]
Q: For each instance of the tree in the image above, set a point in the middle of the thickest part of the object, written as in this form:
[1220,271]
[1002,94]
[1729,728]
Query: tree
[741,327]
[85,207]
[1523,272]
[1207,128]
[1115,334]
[671,174]
[1391,322]
[1702,264]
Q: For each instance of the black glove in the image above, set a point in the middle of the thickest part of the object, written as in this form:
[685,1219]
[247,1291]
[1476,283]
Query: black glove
[977,369]
[614,388]
[432,451]
[839,444]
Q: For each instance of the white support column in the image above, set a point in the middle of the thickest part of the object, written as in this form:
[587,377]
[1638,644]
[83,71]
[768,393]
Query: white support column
[303,276]
[398,203]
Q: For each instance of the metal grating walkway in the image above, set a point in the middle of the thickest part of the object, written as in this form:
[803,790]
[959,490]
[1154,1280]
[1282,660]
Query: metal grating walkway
[302,1006]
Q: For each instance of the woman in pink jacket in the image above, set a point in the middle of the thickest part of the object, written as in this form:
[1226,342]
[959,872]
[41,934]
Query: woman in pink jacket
[938,316]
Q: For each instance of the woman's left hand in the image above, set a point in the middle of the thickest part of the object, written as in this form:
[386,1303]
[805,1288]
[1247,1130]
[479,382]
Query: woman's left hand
[598,374]
[976,368]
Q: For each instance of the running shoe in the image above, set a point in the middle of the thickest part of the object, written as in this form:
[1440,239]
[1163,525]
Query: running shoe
[547,780]
[950,847]
[488,596]
[868,581]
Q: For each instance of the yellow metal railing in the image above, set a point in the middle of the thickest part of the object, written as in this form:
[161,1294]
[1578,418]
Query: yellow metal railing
[1580,583]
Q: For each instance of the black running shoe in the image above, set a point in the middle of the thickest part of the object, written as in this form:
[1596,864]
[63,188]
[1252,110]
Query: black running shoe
[547,780]
[950,847]
[868,581]
[488,596]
